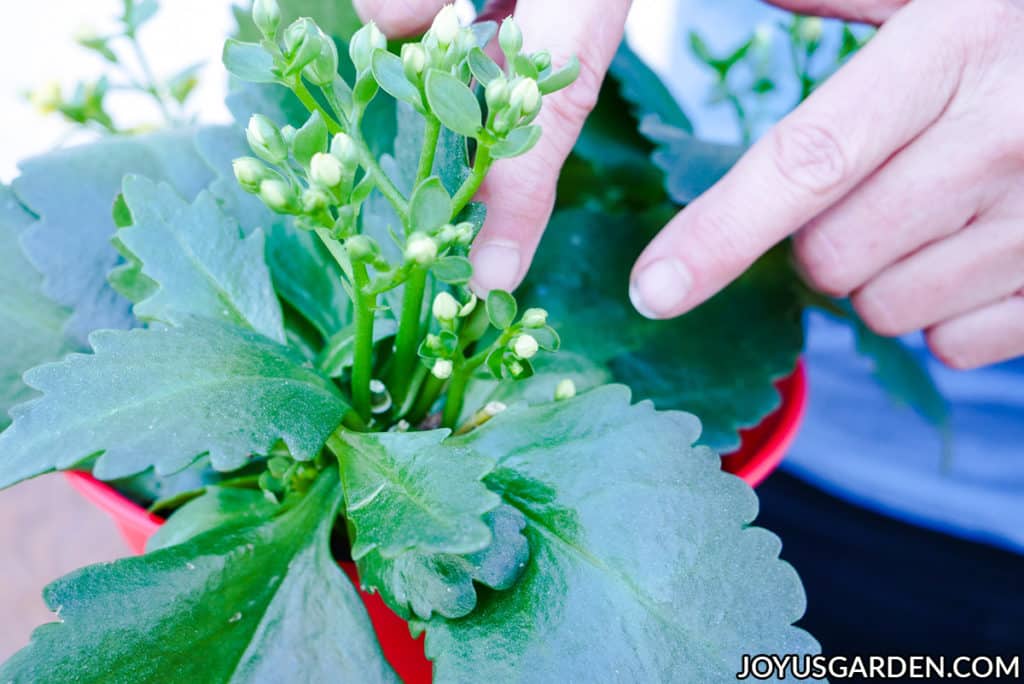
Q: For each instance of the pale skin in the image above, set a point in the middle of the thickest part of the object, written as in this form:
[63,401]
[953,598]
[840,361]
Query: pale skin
[901,179]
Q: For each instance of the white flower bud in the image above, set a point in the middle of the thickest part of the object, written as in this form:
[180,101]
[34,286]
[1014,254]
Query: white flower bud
[433,342]
[46,99]
[541,60]
[442,369]
[446,25]
[303,43]
[324,68]
[464,233]
[250,172]
[445,307]
[510,37]
[810,30]
[494,408]
[314,199]
[525,347]
[447,235]
[566,389]
[267,16]
[325,170]
[361,248]
[535,318]
[421,248]
[278,195]
[516,369]
[497,93]
[380,398]
[468,307]
[764,36]
[344,150]
[266,140]
[414,61]
[465,42]
[362,45]
[526,96]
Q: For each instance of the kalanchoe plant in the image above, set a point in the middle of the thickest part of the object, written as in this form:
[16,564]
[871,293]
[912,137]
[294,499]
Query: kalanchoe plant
[309,379]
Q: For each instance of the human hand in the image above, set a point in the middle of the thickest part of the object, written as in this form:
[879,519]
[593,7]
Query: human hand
[902,179]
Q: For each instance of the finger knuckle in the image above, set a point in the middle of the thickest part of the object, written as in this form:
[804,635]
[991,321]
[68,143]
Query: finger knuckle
[818,264]
[572,106]
[809,156]
[877,312]
[721,240]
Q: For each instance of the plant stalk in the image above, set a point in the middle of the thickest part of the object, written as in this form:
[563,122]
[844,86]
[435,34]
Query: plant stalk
[408,338]
[469,188]
[431,134]
[362,368]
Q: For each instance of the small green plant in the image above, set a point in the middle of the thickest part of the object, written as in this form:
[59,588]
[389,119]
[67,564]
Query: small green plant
[288,361]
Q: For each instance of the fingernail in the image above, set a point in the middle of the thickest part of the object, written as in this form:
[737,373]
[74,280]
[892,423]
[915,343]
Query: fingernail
[496,266]
[659,289]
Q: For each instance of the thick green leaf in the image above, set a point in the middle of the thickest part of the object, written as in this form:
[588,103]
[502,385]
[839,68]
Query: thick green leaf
[421,584]
[643,563]
[645,90]
[519,142]
[430,206]
[453,103]
[691,165]
[501,309]
[31,326]
[304,273]
[199,259]
[410,491]
[719,361]
[249,62]
[160,398]
[454,270]
[388,70]
[483,67]
[253,601]
[217,506]
[72,191]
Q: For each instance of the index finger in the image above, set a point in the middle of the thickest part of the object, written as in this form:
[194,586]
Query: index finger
[873,107]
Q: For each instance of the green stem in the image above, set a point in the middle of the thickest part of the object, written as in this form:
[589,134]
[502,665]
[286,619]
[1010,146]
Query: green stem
[431,390]
[362,367]
[469,188]
[457,390]
[431,134]
[408,338]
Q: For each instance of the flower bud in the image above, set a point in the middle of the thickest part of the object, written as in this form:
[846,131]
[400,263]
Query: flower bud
[566,389]
[278,195]
[433,343]
[447,235]
[526,97]
[47,99]
[445,307]
[810,29]
[421,249]
[493,408]
[361,248]
[541,60]
[468,307]
[535,318]
[380,398]
[266,140]
[344,150]
[250,172]
[764,37]
[267,16]
[325,170]
[288,133]
[464,42]
[510,37]
[323,70]
[442,369]
[446,26]
[414,61]
[525,347]
[364,42]
[465,232]
[303,42]
[314,200]
[497,94]
[516,369]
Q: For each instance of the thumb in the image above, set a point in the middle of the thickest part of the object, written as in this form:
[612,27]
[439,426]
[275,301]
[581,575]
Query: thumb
[399,18]
[867,11]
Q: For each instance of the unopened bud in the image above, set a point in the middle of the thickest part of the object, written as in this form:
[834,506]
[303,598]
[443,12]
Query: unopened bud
[364,42]
[526,97]
[541,60]
[250,172]
[361,248]
[47,98]
[810,30]
[288,133]
[266,14]
[468,307]
[414,61]
[535,318]
[764,36]
[434,343]
[516,369]
[278,195]
[446,26]
[497,94]
[464,233]
[325,170]
[303,43]
[380,398]
[464,42]
[510,37]
[447,235]
[566,389]
[525,347]
[266,140]
[421,248]
[445,307]
[442,369]
[344,150]
[323,70]
[494,408]
[314,200]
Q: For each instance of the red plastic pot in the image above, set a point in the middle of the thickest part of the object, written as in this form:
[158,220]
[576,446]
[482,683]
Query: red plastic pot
[762,450]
